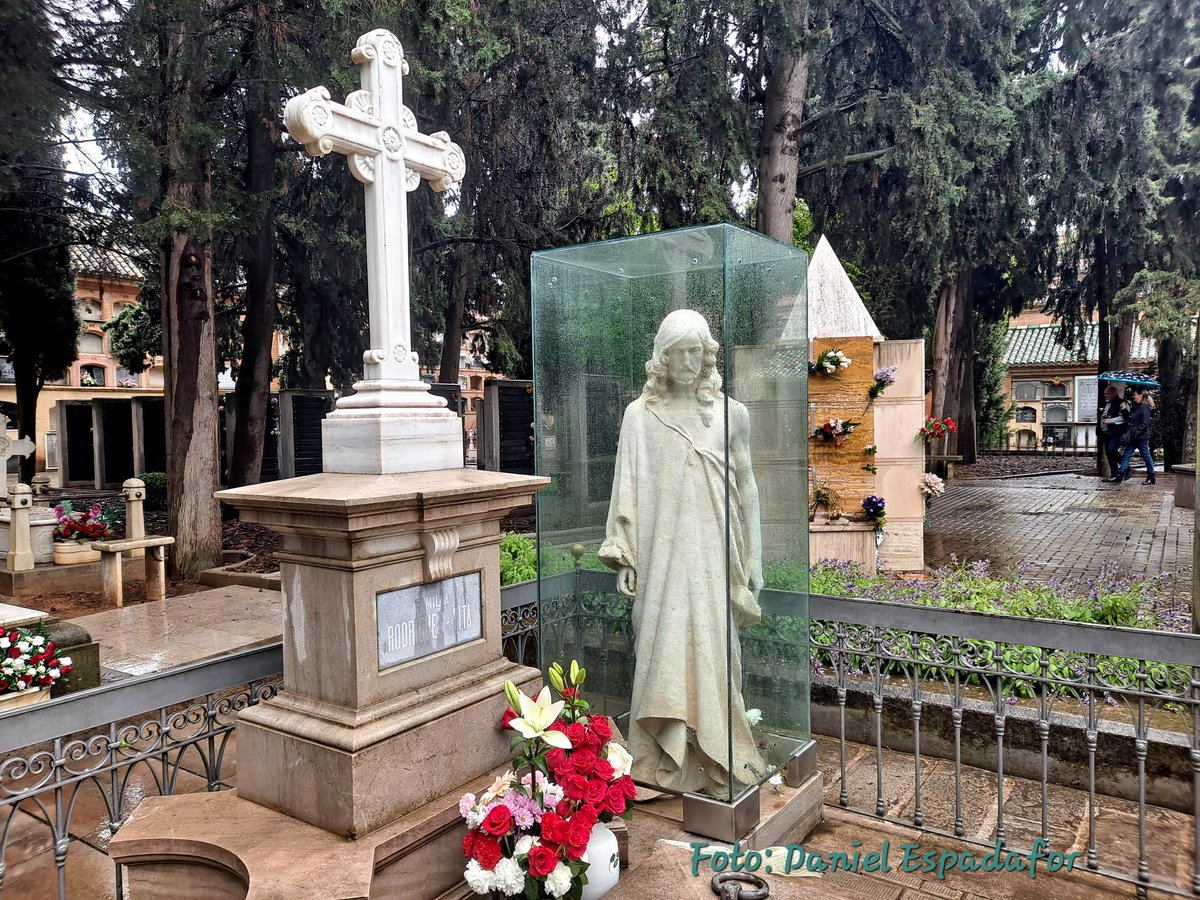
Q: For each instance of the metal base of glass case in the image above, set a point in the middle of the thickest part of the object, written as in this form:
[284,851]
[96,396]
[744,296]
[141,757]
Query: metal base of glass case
[729,822]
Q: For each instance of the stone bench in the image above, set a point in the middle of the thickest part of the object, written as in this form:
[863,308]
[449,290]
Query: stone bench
[1185,486]
[111,583]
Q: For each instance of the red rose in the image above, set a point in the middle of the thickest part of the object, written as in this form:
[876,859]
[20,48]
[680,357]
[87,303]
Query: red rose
[555,757]
[604,770]
[554,828]
[570,693]
[614,800]
[487,851]
[577,733]
[628,788]
[563,770]
[601,729]
[499,821]
[468,845]
[574,787]
[583,761]
[542,860]
[508,716]
[563,808]
[13,653]
[50,647]
[578,836]
[586,814]
[595,791]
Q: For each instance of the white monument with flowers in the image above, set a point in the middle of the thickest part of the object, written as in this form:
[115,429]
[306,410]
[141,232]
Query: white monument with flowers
[393,668]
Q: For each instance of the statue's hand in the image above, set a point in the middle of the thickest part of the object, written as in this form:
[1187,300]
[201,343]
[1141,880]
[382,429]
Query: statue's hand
[627,580]
[754,576]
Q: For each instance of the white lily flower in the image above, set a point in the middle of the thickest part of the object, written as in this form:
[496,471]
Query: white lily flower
[537,716]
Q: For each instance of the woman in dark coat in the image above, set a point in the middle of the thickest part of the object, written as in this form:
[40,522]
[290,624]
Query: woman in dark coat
[1137,437]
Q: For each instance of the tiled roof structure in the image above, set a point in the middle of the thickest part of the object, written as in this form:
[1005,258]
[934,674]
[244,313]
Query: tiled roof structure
[1037,345]
[88,260]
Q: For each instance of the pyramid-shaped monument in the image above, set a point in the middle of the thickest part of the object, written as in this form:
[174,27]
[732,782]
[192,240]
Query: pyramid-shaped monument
[834,307]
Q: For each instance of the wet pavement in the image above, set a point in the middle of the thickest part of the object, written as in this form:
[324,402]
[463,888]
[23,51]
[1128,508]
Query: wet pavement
[1065,526]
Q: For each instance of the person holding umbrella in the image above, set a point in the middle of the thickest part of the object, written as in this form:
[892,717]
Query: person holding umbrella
[1112,426]
[1137,436]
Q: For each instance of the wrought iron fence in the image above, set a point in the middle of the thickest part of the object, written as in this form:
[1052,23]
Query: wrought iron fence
[1059,703]
[51,756]
[1056,439]
[1115,710]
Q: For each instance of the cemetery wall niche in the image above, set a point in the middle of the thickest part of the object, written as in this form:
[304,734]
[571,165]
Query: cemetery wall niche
[665,499]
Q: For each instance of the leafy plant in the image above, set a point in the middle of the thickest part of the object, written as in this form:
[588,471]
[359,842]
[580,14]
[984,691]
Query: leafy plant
[518,558]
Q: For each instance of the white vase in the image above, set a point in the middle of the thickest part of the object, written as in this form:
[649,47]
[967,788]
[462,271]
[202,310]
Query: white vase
[604,862]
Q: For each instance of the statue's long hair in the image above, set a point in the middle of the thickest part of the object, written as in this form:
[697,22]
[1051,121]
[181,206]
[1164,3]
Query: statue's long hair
[708,382]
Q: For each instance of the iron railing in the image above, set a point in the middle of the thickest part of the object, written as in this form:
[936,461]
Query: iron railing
[1115,710]
[97,740]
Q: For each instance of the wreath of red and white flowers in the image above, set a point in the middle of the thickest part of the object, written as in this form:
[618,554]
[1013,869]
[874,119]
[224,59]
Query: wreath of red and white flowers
[28,661]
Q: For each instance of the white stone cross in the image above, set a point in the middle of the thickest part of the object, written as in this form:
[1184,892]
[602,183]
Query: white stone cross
[378,134]
[10,448]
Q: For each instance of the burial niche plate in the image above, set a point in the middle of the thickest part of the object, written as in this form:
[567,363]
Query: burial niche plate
[417,621]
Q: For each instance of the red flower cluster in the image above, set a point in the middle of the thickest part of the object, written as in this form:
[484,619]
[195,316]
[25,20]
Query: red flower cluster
[81,526]
[483,847]
[936,428]
[25,664]
[586,778]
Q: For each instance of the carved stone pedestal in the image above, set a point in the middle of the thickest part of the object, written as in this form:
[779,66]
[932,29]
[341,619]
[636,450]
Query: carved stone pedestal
[392,692]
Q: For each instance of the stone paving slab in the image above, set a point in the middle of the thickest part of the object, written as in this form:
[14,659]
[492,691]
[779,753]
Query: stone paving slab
[1065,527]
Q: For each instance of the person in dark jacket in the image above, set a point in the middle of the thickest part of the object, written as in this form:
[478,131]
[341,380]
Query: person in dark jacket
[1112,426]
[1137,437]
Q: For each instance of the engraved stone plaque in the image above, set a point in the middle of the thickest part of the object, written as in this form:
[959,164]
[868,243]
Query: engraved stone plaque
[416,621]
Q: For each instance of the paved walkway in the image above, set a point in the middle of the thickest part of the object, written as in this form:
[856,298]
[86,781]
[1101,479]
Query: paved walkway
[1065,526]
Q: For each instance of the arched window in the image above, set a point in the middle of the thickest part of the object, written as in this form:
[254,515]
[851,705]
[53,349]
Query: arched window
[1057,391]
[91,376]
[1026,414]
[1026,439]
[1056,414]
[91,344]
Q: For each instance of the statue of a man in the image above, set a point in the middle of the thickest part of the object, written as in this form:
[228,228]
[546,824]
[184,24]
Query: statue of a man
[691,582]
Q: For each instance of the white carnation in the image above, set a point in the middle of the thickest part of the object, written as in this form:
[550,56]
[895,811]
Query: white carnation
[474,818]
[524,843]
[508,878]
[65,660]
[753,716]
[558,882]
[478,878]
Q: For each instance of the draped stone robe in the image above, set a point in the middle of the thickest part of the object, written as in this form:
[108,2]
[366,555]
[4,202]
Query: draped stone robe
[667,521]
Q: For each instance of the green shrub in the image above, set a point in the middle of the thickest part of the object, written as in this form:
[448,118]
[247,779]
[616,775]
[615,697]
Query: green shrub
[156,491]
[518,558]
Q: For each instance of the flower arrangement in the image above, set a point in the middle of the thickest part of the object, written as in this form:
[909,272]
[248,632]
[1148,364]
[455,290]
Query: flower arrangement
[875,508]
[935,428]
[82,526]
[86,380]
[836,430]
[27,661]
[829,363]
[827,496]
[884,379]
[528,834]
[127,382]
[932,486]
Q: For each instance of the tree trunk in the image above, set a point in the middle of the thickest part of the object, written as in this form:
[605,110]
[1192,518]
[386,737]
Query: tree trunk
[954,362]
[28,386]
[783,112]
[452,342]
[189,336]
[1173,402]
[253,392]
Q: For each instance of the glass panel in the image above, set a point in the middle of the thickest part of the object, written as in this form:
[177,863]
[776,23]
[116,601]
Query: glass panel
[672,420]
[1026,390]
[1056,414]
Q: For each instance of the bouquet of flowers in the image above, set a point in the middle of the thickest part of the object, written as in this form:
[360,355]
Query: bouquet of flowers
[836,430]
[884,379]
[528,834]
[874,508]
[935,428]
[27,661]
[82,526]
[932,486]
[829,363]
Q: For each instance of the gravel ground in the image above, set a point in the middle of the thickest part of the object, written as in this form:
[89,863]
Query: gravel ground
[1000,465]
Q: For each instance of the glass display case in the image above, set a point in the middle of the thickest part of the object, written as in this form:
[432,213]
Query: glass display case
[671,414]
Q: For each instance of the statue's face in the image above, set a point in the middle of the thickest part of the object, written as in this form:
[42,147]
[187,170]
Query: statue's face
[685,359]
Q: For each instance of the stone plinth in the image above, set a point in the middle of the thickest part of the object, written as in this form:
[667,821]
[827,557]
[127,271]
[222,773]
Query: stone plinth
[349,745]
[41,533]
[1185,486]
[364,741]
[853,541]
